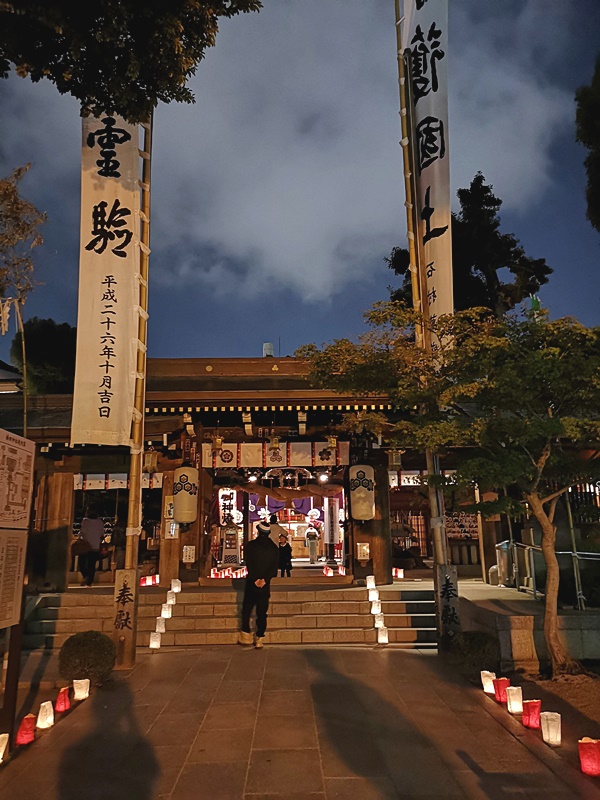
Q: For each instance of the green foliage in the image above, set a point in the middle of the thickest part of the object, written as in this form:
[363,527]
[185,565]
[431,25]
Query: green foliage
[519,396]
[479,252]
[113,55]
[588,133]
[19,223]
[50,355]
[476,651]
[89,654]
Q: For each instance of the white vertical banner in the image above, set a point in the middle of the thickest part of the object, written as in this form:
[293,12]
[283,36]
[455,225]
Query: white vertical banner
[109,266]
[425,34]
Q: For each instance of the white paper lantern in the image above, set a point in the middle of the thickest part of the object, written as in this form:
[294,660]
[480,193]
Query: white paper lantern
[185,495]
[171,598]
[81,689]
[371,582]
[379,621]
[376,607]
[487,681]
[3,745]
[382,635]
[45,715]
[176,585]
[362,492]
[166,611]
[373,595]
[514,699]
[154,641]
[161,625]
[551,733]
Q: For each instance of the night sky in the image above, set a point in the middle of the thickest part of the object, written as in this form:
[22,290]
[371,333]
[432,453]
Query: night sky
[278,194]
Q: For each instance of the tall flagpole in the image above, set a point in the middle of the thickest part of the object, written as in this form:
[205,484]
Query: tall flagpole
[126,635]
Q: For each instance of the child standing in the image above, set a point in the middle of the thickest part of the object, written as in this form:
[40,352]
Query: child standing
[285,556]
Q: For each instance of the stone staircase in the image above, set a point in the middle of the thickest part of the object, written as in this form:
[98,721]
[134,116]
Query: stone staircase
[303,615]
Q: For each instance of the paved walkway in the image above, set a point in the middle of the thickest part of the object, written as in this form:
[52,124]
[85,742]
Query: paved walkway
[290,724]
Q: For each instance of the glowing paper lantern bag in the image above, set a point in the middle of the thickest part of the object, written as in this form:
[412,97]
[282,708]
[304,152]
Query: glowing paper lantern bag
[531,713]
[487,681]
[45,717]
[500,686]
[185,495]
[26,732]
[63,703]
[3,745]
[589,755]
[81,689]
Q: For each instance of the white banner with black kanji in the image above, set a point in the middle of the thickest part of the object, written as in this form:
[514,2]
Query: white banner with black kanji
[109,266]
[425,34]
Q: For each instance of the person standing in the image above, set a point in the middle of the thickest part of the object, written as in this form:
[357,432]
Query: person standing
[285,556]
[276,529]
[92,532]
[312,539]
[262,559]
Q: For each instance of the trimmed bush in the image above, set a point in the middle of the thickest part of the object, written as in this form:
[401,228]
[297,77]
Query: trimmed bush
[476,650]
[89,654]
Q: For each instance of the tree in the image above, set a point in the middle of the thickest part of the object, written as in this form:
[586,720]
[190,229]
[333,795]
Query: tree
[50,355]
[587,120]
[19,235]
[113,55]
[479,252]
[518,396]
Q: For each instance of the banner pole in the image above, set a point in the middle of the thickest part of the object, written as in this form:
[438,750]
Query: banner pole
[126,635]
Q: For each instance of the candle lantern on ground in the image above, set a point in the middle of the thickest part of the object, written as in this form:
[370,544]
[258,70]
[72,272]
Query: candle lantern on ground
[551,726]
[487,681]
[382,635]
[26,732]
[63,703]
[3,745]
[161,625]
[373,595]
[514,699]
[531,713]
[500,687]
[376,607]
[371,582]
[154,641]
[45,717]
[176,585]
[379,621]
[171,598]
[589,755]
[81,689]
[166,611]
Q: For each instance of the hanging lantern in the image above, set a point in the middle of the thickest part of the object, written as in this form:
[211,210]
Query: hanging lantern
[500,687]
[376,607]
[185,495]
[45,718]
[274,443]
[371,582]
[531,713]
[362,492]
[176,585]
[154,641]
[81,689]
[171,598]
[150,460]
[216,443]
[379,620]
[3,745]
[332,442]
[26,732]
[514,700]
[550,721]
[63,703]
[589,755]
[487,681]
[166,611]
[382,635]
[373,595]
[161,625]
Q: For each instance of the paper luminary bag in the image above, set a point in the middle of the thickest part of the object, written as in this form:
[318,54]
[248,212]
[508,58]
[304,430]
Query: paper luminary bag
[373,595]
[45,718]
[589,755]
[176,585]
[171,598]
[26,732]
[514,699]
[531,713]
[3,745]
[500,686]
[81,689]
[551,728]
[155,641]
[63,703]
[371,582]
[487,681]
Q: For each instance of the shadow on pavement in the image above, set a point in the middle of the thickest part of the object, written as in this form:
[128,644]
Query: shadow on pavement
[113,760]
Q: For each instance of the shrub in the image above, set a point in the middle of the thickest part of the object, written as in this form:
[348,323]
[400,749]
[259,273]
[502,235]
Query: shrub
[89,654]
[476,650]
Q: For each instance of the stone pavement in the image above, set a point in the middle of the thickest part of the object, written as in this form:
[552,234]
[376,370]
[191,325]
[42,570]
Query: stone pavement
[290,724]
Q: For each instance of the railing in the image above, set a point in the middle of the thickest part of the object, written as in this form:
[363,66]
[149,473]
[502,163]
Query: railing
[512,572]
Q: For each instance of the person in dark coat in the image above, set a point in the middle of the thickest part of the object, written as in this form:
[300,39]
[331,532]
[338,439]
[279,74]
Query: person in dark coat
[262,560]
[285,556]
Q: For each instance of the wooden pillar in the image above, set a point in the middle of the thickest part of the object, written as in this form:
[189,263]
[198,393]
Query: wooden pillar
[205,492]
[58,527]
[170,549]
